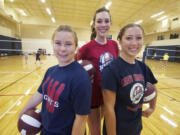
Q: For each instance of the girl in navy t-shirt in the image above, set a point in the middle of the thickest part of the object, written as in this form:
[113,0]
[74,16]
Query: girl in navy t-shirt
[123,84]
[65,91]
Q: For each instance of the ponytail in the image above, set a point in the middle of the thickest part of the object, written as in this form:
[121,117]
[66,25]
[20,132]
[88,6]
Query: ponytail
[93,34]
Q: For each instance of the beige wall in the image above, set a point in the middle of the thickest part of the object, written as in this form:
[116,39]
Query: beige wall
[25,31]
[7,27]
[153,37]
[43,31]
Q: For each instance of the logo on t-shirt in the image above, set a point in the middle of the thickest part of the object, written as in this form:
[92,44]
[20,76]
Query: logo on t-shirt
[105,59]
[136,93]
[54,90]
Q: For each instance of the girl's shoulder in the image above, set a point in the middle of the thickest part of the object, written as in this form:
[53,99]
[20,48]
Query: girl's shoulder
[86,45]
[141,63]
[111,41]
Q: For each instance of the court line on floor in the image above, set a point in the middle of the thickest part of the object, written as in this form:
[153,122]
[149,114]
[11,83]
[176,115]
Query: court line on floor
[17,72]
[3,95]
[172,98]
[10,107]
[19,79]
[18,100]
[170,88]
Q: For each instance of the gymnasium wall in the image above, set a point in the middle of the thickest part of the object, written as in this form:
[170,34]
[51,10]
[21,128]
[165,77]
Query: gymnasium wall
[31,45]
[153,36]
[160,29]
[39,36]
[7,28]
[170,42]
[34,37]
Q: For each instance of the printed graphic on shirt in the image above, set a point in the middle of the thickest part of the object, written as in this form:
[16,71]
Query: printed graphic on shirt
[54,90]
[130,78]
[105,59]
[136,93]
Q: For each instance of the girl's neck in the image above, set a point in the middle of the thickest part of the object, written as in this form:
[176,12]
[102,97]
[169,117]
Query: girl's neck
[130,60]
[64,64]
[101,40]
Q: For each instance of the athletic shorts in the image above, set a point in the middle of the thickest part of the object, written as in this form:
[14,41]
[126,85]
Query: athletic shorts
[37,59]
[97,98]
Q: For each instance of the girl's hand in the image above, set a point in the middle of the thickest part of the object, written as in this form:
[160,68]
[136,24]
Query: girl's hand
[92,78]
[146,113]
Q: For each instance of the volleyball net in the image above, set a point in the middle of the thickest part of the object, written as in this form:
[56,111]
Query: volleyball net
[157,53]
[10,52]
[9,47]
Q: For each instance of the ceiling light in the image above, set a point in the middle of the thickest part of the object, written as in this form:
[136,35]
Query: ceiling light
[165,23]
[53,19]
[138,22]
[11,0]
[108,5]
[157,14]
[43,1]
[48,11]
[161,18]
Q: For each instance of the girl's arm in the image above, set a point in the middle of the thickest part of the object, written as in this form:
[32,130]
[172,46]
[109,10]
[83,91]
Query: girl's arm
[109,98]
[33,102]
[152,106]
[79,124]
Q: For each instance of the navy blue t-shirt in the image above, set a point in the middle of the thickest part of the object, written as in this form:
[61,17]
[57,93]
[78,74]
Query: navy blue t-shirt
[66,92]
[128,81]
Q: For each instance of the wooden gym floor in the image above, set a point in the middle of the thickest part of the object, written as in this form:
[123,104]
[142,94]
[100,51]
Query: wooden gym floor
[18,81]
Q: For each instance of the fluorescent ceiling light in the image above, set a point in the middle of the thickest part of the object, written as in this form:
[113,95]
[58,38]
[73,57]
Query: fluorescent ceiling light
[108,5]
[43,1]
[169,121]
[53,19]
[161,18]
[48,11]
[138,22]
[22,12]
[157,14]
[165,23]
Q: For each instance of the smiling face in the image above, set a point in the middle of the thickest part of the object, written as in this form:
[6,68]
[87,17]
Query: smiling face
[131,42]
[64,47]
[102,24]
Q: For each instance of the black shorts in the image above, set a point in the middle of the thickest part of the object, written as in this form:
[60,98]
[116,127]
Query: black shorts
[37,59]
[95,107]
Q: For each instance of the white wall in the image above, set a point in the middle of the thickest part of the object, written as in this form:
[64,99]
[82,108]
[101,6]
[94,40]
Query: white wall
[32,45]
[140,55]
[5,31]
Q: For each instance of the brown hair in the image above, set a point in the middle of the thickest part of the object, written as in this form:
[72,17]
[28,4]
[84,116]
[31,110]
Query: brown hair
[103,9]
[123,30]
[66,28]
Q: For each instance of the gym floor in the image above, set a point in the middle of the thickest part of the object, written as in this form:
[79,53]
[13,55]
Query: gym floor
[18,81]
